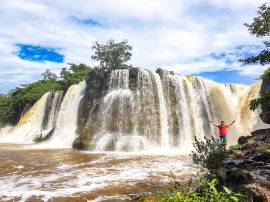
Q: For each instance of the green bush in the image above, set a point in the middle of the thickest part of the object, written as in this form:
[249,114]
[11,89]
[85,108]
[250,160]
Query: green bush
[7,113]
[38,138]
[209,154]
[207,192]
[82,144]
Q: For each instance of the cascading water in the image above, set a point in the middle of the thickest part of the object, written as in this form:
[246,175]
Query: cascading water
[66,123]
[30,124]
[51,112]
[164,128]
[119,79]
[142,110]
[117,116]
[167,110]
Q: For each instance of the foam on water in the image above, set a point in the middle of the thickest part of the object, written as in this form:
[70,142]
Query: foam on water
[107,170]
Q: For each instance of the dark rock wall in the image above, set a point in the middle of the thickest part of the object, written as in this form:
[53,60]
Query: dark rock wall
[96,87]
[265,114]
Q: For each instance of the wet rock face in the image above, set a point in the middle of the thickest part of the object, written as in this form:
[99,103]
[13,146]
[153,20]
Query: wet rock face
[248,167]
[262,135]
[133,74]
[265,114]
[97,86]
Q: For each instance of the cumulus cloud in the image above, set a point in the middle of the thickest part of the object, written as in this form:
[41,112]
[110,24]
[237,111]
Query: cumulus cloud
[171,33]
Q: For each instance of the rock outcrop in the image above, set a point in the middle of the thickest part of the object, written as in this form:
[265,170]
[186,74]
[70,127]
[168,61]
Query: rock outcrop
[88,123]
[248,167]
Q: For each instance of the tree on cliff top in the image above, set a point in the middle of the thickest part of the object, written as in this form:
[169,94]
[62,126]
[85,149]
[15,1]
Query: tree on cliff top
[73,75]
[48,75]
[260,27]
[112,55]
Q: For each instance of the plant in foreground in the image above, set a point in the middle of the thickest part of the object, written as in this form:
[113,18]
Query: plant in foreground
[209,154]
[207,192]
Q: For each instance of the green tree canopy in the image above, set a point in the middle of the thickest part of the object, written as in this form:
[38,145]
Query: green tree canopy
[73,75]
[260,27]
[112,55]
[48,75]
[7,113]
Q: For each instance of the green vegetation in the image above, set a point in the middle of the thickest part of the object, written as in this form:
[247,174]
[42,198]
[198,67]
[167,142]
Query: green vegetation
[38,138]
[112,55]
[82,144]
[7,113]
[206,192]
[14,103]
[260,27]
[209,154]
[73,75]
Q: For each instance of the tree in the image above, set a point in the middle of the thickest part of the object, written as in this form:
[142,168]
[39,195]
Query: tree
[112,55]
[73,75]
[7,113]
[260,27]
[48,75]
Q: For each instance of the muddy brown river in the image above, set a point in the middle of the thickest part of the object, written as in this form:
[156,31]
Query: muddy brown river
[55,175]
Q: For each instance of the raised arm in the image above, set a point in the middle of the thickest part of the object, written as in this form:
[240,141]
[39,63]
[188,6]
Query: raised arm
[213,123]
[231,123]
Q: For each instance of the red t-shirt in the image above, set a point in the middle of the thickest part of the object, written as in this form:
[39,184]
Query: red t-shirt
[223,130]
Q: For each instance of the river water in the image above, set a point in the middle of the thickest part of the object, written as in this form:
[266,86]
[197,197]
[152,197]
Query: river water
[28,174]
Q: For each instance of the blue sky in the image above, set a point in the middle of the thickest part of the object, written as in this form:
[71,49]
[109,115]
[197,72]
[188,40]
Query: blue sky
[36,53]
[198,37]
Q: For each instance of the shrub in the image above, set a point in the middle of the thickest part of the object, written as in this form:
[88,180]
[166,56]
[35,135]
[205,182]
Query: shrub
[38,138]
[207,192]
[209,154]
[82,144]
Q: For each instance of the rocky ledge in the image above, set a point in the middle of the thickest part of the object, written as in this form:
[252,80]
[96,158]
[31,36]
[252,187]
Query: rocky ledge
[248,167]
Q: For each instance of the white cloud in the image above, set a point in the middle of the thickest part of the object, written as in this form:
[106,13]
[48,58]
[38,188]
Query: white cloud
[166,33]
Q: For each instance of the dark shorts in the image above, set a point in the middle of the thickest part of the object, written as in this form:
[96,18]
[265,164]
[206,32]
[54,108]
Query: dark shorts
[223,139]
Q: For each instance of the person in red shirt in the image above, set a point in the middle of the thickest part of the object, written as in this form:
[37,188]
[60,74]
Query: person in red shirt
[223,131]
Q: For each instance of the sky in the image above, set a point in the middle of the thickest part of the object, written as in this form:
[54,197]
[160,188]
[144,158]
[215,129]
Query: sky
[194,37]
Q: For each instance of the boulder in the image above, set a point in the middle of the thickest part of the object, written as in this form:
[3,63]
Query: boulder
[243,139]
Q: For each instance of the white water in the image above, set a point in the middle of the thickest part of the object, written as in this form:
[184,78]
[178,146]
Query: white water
[66,175]
[119,79]
[167,112]
[66,124]
[156,113]
[165,137]
[53,106]
[29,126]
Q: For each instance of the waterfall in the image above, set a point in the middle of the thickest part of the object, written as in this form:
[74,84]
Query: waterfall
[164,128]
[117,116]
[51,112]
[66,123]
[141,110]
[119,79]
[167,111]
[30,124]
